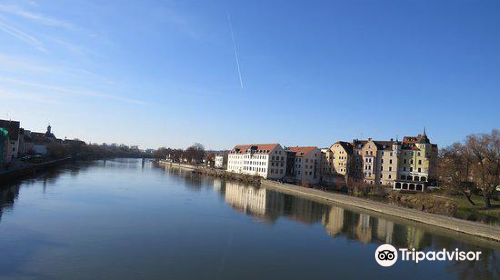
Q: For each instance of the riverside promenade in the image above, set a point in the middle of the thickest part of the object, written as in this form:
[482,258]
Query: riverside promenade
[27,169]
[448,225]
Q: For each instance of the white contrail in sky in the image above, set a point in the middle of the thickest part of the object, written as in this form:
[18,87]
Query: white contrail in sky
[235,49]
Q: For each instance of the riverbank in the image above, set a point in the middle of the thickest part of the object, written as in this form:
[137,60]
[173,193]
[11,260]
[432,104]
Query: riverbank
[16,173]
[218,173]
[447,223]
[462,226]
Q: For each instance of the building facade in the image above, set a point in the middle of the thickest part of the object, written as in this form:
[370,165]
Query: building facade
[12,127]
[220,160]
[405,165]
[264,160]
[305,164]
[337,159]
[418,163]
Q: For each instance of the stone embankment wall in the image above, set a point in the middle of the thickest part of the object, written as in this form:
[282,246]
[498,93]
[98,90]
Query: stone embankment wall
[14,174]
[218,173]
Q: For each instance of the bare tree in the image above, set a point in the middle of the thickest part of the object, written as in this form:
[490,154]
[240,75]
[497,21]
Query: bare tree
[484,150]
[195,153]
[454,169]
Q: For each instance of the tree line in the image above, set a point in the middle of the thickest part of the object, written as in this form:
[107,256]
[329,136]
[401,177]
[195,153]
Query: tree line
[82,150]
[472,166]
[193,154]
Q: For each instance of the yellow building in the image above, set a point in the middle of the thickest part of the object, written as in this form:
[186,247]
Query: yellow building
[338,159]
[407,165]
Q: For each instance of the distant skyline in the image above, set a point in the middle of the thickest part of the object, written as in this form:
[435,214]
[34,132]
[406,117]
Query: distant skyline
[172,73]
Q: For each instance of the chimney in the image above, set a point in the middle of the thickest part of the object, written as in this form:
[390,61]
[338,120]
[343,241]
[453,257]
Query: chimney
[392,139]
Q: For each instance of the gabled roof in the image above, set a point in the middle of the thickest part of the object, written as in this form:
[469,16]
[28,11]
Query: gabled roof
[358,144]
[38,137]
[348,147]
[301,151]
[381,145]
[384,145]
[255,148]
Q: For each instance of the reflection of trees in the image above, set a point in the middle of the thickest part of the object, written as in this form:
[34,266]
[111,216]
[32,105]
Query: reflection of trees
[10,192]
[487,268]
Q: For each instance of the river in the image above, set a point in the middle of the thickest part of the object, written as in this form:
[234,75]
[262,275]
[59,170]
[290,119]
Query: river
[125,219]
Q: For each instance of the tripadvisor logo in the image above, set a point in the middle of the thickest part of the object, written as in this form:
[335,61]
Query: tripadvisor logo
[387,255]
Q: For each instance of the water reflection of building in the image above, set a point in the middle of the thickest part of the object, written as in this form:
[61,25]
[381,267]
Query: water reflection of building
[8,195]
[414,237]
[254,201]
[303,210]
[218,185]
[364,229]
[270,205]
[333,221]
[385,230]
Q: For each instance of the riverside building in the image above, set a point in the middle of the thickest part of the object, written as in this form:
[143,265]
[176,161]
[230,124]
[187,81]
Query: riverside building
[265,160]
[405,165]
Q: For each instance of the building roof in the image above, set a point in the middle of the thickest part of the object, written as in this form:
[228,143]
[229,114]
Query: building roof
[381,145]
[384,145]
[255,148]
[38,137]
[301,151]
[12,127]
[358,144]
[348,147]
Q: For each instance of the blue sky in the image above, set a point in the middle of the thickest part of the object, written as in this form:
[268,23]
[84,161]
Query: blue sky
[164,73]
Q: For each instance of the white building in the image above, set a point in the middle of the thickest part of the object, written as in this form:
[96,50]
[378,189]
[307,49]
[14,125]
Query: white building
[219,161]
[306,164]
[264,160]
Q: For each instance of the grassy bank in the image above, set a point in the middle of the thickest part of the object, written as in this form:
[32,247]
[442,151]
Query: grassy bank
[476,212]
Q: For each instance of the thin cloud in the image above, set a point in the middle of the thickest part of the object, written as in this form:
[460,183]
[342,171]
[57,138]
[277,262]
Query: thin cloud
[27,97]
[39,18]
[75,91]
[18,64]
[25,37]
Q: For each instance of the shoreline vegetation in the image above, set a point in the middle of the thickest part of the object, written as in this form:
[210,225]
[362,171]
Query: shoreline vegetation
[384,207]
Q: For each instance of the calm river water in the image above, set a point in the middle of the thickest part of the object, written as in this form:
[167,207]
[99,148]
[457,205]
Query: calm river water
[121,219]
